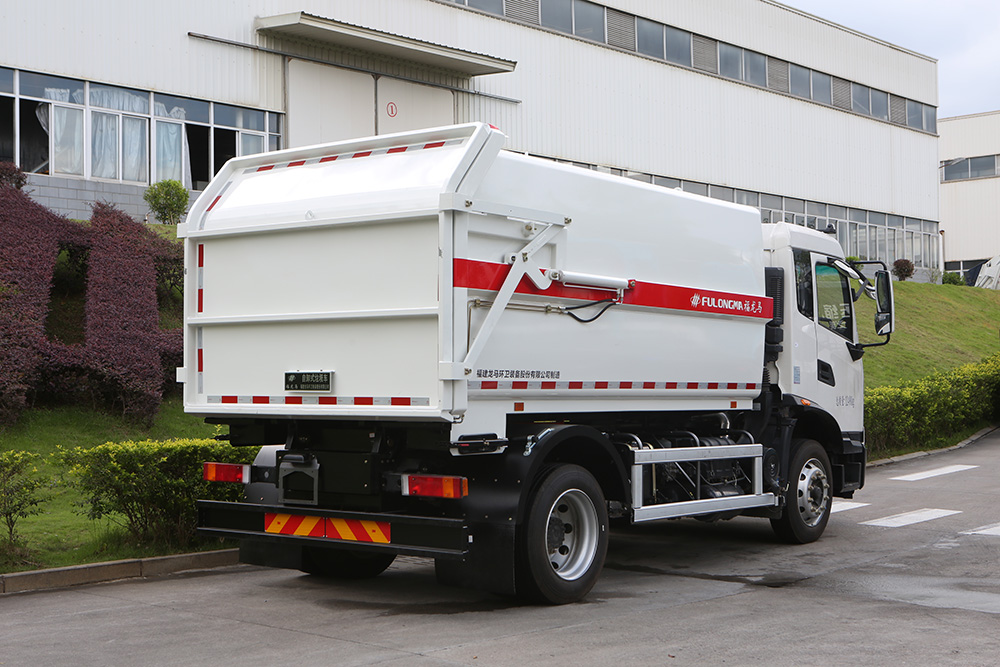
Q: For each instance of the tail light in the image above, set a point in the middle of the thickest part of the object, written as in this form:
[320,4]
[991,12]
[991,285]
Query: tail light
[435,486]
[226,472]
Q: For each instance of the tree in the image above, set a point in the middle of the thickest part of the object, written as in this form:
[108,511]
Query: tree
[168,200]
[902,268]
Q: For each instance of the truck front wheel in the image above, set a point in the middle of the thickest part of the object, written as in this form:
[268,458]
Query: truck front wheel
[564,538]
[343,564]
[808,497]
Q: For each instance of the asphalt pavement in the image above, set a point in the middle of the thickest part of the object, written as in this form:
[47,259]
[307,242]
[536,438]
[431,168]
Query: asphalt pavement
[908,573]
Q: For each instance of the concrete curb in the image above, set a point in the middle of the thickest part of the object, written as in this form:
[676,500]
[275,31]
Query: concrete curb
[76,575]
[979,435]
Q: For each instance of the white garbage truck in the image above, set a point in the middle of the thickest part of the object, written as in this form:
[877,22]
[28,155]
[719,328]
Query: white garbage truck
[449,350]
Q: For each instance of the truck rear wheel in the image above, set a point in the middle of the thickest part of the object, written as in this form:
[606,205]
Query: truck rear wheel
[564,539]
[808,497]
[342,564]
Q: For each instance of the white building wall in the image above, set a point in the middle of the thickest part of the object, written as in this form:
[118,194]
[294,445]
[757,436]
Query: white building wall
[572,99]
[970,218]
[585,102]
[970,209]
[970,136]
[146,44]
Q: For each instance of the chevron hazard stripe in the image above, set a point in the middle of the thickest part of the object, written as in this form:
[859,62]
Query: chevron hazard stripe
[358,531]
[353,530]
[294,524]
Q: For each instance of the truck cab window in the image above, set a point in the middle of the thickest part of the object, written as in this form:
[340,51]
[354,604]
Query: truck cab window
[833,301]
[804,282]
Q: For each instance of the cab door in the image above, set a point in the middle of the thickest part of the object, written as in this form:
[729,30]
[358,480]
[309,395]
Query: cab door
[839,372]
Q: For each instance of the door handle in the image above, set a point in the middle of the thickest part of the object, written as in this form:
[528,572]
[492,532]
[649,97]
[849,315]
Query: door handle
[825,373]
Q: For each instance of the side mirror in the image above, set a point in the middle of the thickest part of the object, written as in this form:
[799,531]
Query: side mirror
[885,319]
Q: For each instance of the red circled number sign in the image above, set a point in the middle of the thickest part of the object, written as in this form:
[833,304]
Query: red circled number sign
[391,109]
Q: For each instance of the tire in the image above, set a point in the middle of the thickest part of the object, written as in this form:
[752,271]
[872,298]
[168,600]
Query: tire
[808,497]
[342,564]
[564,539]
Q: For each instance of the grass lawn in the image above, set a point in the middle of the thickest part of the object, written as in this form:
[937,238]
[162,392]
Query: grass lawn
[62,534]
[938,328]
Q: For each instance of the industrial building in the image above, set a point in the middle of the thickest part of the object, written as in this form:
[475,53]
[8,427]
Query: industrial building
[970,190]
[743,100]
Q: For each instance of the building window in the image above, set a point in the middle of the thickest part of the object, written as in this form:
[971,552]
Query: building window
[695,188]
[914,115]
[822,87]
[70,127]
[119,144]
[930,119]
[730,61]
[860,99]
[588,20]
[755,68]
[492,6]
[649,37]
[957,170]
[558,15]
[981,167]
[678,46]
[965,168]
[799,81]
[880,104]
[7,129]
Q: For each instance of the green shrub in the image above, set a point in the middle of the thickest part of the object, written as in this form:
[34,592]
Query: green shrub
[952,278]
[19,487]
[168,200]
[151,486]
[928,413]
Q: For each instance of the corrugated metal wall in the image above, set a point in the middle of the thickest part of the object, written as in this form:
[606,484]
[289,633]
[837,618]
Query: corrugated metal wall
[969,219]
[970,136]
[969,208]
[578,100]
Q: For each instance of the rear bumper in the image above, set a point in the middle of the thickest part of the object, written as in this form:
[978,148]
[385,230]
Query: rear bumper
[307,526]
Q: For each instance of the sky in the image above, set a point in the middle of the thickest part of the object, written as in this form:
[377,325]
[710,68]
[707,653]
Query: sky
[963,35]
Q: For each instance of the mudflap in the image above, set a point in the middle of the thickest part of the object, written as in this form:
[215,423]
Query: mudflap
[488,566]
[271,554]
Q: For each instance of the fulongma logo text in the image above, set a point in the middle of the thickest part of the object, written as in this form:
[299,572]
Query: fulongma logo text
[719,303]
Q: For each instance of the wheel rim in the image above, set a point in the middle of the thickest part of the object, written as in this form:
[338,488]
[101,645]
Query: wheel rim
[813,493]
[571,534]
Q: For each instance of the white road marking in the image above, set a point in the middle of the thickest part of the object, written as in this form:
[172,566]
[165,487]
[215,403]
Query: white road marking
[909,518]
[844,505]
[985,530]
[947,470]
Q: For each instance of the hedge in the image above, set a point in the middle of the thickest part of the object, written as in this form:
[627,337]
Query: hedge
[151,486]
[929,412]
[124,359]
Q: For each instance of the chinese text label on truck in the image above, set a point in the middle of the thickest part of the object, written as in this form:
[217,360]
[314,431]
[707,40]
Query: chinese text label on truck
[448,350]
